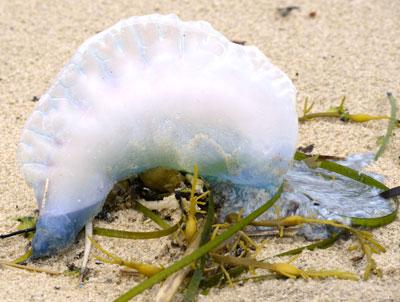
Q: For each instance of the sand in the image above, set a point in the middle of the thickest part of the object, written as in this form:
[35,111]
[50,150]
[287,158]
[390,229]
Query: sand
[350,48]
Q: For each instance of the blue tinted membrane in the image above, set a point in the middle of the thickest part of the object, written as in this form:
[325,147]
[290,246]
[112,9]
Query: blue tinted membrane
[56,232]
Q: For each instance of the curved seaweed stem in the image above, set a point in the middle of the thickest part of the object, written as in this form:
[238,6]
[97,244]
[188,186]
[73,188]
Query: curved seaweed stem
[143,268]
[283,269]
[23,258]
[391,125]
[341,113]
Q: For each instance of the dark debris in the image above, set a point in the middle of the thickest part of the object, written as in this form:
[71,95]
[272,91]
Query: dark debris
[312,15]
[286,11]
[306,149]
[240,42]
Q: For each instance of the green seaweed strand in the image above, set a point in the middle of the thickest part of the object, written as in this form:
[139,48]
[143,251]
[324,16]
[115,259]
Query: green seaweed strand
[150,214]
[135,235]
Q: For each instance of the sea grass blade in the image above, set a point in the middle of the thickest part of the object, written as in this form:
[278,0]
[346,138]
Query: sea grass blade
[201,251]
[150,214]
[392,124]
[135,235]
[362,178]
[345,171]
[193,287]
[23,258]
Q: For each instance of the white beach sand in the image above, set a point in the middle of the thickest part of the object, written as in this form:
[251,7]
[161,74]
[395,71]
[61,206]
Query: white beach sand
[350,48]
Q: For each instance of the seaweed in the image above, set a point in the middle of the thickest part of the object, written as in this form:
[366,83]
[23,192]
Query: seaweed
[201,251]
[285,269]
[216,261]
[342,113]
[135,235]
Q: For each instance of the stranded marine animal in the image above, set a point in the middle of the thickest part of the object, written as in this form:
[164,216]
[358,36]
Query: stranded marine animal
[154,91]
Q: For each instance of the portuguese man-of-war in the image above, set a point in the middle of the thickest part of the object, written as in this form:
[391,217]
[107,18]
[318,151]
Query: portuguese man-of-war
[157,91]
[154,91]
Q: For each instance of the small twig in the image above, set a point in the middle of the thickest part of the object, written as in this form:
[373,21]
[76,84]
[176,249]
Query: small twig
[88,246]
[24,231]
[226,274]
